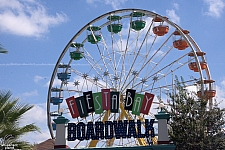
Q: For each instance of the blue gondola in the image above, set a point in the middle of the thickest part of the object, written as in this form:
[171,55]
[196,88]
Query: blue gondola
[64,66]
[63,76]
[55,114]
[56,100]
[56,90]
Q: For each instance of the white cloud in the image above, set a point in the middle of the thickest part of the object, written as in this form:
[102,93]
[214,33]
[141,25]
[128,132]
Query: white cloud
[176,6]
[56,83]
[220,96]
[91,1]
[116,4]
[27,18]
[38,78]
[173,16]
[32,93]
[223,83]
[215,7]
[38,116]
[35,138]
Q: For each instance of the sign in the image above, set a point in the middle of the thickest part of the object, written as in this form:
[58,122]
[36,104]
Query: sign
[109,100]
[72,107]
[106,99]
[147,103]
[109,129]
[97,97]
[129,99]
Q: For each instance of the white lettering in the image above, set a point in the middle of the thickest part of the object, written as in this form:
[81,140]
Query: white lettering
[106,100]
[129,97]
[81,107]
[71,104]
[138,100]
[96,98]
[114,100]
[148,99]
[87,98]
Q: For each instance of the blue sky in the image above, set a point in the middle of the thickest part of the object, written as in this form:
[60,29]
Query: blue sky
[35,32]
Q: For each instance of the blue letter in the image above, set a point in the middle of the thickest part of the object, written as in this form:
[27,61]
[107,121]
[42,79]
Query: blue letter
[99,130]
[81,131]
[140,135]
[90,131]
[131,129]
[71,131]
[108,126]
[149,127]
[120,128]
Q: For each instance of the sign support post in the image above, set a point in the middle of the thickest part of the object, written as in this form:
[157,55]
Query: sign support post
[60,141]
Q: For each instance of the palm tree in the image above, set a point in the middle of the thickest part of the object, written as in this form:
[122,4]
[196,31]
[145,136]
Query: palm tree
[11,112]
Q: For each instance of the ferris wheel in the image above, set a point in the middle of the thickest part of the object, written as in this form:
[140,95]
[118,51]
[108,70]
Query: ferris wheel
[127,50]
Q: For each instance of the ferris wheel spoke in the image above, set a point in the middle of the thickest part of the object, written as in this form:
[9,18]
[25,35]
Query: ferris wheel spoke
[123,70]
[163,55]
[98,48]
[157,64]
[155,74]
[135,57]
[158,51]
[88,79]
[192,82]
[116,50]
[95,65]
[106,66]
[107,56]
[147,63]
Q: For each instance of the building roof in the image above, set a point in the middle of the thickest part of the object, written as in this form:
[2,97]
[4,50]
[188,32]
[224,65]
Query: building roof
[46,145]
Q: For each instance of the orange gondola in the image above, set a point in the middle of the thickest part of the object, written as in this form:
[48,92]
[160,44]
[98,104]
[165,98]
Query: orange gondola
[158,19]
[178,33]
[161,29]
[209,93]
[193,66]
[180,44]
[191,54]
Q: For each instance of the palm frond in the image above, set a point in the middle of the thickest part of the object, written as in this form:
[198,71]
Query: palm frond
[11,112]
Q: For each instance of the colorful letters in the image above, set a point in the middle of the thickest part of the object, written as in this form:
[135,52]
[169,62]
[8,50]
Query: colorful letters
[109,100]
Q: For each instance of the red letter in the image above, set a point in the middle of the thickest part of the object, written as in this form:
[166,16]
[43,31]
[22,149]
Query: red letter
[106,99]
[72,107]
[147,103]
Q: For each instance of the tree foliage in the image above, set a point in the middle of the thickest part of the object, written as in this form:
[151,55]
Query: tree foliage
[194,126]
[11,113]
